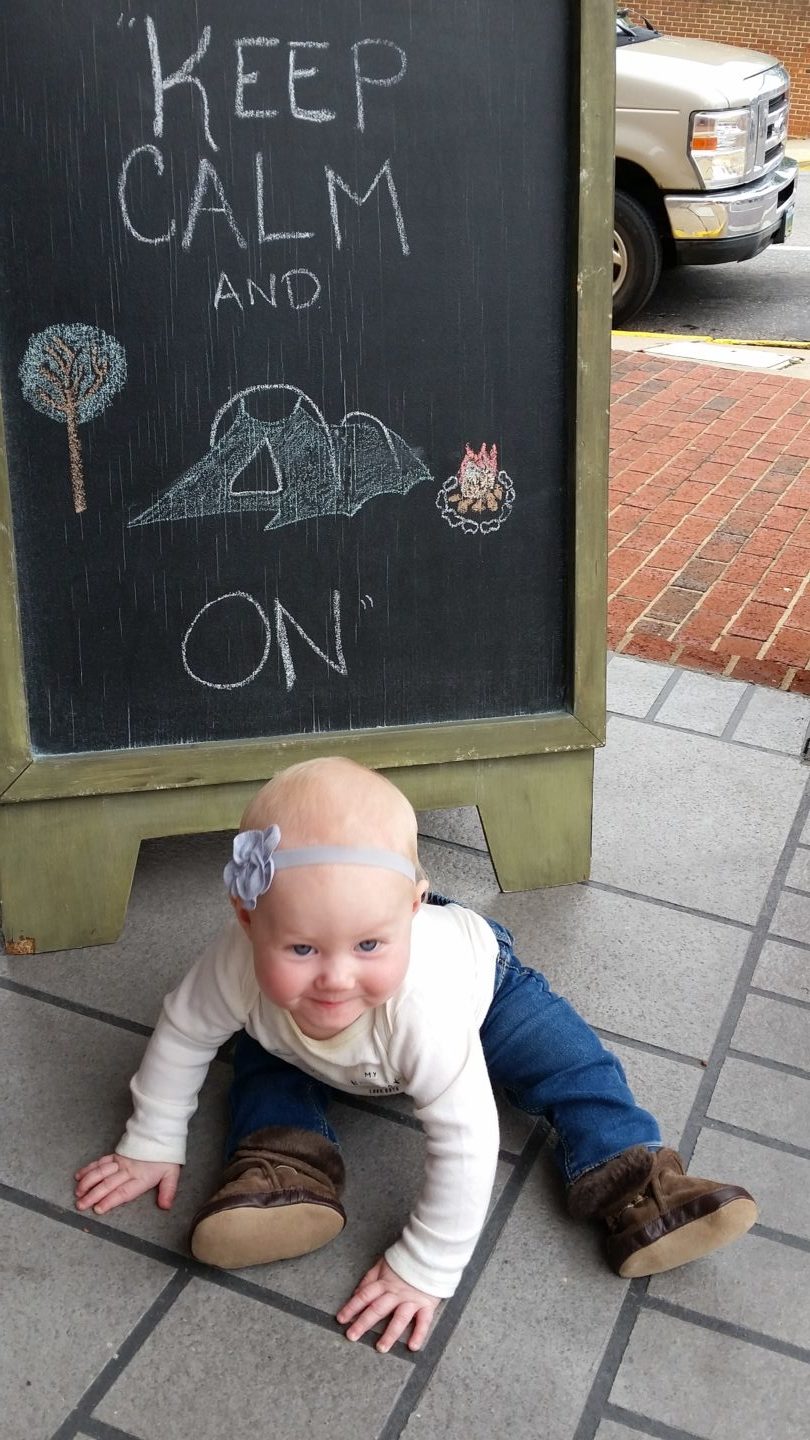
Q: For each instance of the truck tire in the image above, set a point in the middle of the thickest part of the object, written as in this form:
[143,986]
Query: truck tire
[637,257]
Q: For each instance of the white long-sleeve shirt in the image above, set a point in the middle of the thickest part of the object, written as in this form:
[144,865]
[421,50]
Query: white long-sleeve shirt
[423,1042]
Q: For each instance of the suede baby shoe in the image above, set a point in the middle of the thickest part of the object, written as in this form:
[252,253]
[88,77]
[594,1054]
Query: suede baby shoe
[657,1216]
[278,1198]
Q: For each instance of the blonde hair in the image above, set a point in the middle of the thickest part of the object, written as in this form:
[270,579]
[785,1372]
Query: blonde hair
[335,801]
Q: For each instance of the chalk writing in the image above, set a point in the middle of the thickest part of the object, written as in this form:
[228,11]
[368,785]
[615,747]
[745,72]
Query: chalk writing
[360,79]
[70,373]
[209,194]
[209,185]
[267,235]
[254,290]
[335,183]
[246,679]
[302,289]
[311,468]
[183,76]
[207,176]
[282,618]
[244,77]
[294,73]
[157,158]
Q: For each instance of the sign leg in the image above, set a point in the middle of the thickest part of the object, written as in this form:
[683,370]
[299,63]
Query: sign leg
[536,811]
[66,871]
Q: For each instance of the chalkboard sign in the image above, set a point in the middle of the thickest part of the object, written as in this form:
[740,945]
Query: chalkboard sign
[284,363]
[304,360]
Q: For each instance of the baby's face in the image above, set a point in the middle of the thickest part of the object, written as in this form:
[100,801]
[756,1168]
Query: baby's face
[332,941]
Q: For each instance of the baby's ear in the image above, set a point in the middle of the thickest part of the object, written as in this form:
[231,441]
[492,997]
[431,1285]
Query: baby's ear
[243,915]
[421,895]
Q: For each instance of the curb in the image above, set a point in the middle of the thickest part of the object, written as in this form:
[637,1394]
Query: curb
[777,675]
[664,336]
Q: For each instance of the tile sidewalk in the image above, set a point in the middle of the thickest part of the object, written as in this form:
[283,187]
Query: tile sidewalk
[709,526]
[689,949]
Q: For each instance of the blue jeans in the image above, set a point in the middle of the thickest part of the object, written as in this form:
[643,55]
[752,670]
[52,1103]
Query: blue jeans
[537,1048]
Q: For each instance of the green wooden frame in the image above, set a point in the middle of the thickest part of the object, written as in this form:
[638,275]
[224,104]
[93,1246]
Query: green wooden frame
[514,769]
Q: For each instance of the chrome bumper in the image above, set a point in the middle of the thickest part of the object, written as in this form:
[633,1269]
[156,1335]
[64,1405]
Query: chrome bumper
[730,214]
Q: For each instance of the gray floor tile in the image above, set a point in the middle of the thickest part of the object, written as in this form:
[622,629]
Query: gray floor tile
[67,1302]
[463,825]
[463,875]
[799,873]
[666,1087]
[67,1084]
[522,1359]
[765,1101]
[792,918]
[178,900]
[775,720]
[757,1283]
[516,1126]
[779,1182]
[633,685]
[70,1086]
[784,968]
[711,1385]
[63,1063]
[776,1030]
[690,819]
[701,702]
[218,1357]
[529,1342]
[629,966]
[384,1170]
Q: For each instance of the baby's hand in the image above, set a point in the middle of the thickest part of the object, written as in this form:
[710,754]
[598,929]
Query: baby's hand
[381,1292]
[114,1179]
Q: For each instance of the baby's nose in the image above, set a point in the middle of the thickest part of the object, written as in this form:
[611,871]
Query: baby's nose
[337,973]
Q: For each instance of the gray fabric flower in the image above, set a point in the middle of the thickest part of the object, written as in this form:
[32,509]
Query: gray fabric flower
[250,873]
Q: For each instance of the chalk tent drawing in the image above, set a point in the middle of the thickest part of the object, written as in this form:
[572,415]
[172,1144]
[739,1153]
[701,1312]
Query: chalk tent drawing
[315,468]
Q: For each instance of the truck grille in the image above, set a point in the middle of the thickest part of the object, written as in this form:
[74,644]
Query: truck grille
[776,132]
[772,122]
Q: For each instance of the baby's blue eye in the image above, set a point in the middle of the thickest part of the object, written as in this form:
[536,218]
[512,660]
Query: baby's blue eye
[368,946]
[302,949]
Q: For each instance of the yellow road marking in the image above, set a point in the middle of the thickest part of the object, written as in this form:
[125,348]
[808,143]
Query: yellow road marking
[713,339]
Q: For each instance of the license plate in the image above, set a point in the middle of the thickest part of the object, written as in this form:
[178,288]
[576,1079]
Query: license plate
[787,223]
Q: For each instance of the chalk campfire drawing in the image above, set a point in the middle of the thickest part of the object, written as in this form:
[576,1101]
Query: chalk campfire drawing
[70,373]
[479,489]
[311,468]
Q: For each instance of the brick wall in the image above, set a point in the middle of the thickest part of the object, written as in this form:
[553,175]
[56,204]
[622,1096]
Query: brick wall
[780,27]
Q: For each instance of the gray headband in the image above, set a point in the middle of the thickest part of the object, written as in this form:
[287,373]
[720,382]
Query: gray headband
[256,859]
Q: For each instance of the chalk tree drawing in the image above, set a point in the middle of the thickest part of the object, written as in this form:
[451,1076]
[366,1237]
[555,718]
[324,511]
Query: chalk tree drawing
[478,489]
[308,468]
[70,373]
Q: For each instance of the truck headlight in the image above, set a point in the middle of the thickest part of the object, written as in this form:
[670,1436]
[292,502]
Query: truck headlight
[722,145]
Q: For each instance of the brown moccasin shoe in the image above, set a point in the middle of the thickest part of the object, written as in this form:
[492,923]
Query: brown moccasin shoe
[278,1198]
[658,1217]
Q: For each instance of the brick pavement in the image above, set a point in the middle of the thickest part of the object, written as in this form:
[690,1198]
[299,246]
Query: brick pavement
[709,528]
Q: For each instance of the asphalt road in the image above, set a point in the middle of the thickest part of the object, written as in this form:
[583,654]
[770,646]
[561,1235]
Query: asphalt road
[767,298]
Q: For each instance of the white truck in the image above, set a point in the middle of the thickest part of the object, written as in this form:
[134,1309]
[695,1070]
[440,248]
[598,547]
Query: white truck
[702,177]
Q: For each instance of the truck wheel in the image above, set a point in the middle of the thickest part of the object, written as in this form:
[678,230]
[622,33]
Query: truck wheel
[637,257]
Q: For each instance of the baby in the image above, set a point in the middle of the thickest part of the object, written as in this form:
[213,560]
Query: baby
[338,969]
